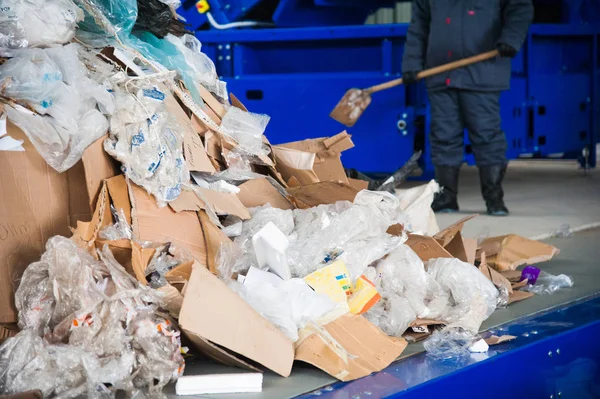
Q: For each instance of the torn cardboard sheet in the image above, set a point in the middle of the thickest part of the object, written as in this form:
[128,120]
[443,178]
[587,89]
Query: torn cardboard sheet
[7,331]
[327,192]
[339,348]
[517,296]
[222,203]
[295,164]
[511,251]
[452,240]
[358,184]
[327,164]
[426,248]
[259,192]
[212,313]
[495,340]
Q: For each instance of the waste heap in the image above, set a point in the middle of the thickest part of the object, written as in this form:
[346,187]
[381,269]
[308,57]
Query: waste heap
[142,203]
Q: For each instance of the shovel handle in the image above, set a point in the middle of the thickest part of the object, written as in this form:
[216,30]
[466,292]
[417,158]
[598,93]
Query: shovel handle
[437,70]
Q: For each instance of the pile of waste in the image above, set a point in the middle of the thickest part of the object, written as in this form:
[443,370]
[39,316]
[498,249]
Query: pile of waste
[154,209]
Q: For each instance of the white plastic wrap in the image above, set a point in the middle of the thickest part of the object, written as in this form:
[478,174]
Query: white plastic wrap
[548,284]
[37,23]
[289,304]
[101,330]
[416,203]
[393,315]
[247,129]
[70,106]
[473,296]
[147,140]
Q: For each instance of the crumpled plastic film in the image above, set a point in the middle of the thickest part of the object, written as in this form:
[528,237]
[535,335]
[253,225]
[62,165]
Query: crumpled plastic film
[105,20]
[548,284]
[120,230]
[450,343]
[89,329]
[147,140]
[70,106]
[416,202]
[247,129]
[37,23]
[238,256]
[473,296]
[393,315]
[166,258]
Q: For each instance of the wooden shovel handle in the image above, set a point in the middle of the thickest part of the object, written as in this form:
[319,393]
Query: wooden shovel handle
[437,70]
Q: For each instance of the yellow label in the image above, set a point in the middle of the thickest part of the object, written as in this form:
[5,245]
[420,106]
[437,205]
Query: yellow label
[202,6]
[365,296]
[332,280]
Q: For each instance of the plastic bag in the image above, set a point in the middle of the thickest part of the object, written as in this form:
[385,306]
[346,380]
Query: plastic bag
[166,257]
[120,230]
[548,284]
[393,315]
[416,203]
[147,140]
[474,297]
[450,343]
[101,330]
[156,16]
[247,129]
[70,106]
[37,23]
[106,19]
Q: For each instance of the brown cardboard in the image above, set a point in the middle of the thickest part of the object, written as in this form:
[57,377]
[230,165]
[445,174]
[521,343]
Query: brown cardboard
[456,248]
[119,195]
[35,204]
[327,165]
[7,331]
[259,192]
[327,192]
[514,276]
[140,259]
[517,296]
[495,277]
[236,102]
[25,395]
[359,184]
[211,101]
[155,224]
[470,246]
[520,284]
[353,348]
[222,203]
[290,164]
[447,235]
[495,340]
[212,312]
[426,247]
[511,251]
[97,166]
[426,322]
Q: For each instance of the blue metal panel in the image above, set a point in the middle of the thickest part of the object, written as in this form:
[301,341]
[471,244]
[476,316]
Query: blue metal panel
[554,355]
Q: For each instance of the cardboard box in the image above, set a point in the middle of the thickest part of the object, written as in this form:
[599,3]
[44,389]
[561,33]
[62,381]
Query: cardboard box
[511,251]
[223,326]
[351,348]
[327,192]
[295,159]
[36,203]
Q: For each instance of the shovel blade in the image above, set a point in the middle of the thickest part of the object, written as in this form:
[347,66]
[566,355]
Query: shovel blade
[351,107]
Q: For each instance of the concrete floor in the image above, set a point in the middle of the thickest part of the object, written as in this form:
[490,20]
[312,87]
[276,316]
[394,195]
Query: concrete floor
[541,195]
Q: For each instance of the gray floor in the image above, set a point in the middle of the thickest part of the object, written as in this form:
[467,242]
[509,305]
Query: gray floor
[579,258]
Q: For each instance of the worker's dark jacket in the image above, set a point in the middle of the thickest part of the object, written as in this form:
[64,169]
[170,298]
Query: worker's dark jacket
[448,30]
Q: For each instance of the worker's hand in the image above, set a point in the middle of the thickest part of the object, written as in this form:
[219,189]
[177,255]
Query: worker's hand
[409,77]
[506,50]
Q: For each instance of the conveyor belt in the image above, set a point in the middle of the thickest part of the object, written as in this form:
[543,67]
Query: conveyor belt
[579,258]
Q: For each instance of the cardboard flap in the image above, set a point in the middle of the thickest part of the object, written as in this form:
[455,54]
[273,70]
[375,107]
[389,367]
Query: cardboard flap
[517,296]
[426,247]
[456,247]
[520,284]
[327,192]
[259,192]
[495,340]
[470,246]
[215,313]
[236,102]
[496,278]
[353,348]
[183,271]
[119,195]
[447,235]
[211,101]
[359,184]
[293,163]
[98,166]
[514,276]
[338,143]
[214,239]
[515,251]
[222,203]
[195,154]
[140,259]
[219,354]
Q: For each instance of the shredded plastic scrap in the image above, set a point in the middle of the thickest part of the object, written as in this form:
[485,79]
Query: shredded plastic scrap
[70,107]
[88,329]
[147,140]
[548,284]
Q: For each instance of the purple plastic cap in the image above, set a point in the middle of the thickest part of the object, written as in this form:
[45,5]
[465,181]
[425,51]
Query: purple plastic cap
[531,273]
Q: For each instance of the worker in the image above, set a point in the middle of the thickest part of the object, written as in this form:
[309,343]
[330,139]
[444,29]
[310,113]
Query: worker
[446,31]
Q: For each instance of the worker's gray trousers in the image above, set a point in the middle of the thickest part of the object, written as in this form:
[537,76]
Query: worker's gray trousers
[452,111]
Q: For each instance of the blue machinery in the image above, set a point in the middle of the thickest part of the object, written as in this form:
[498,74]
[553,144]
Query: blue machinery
[297,70]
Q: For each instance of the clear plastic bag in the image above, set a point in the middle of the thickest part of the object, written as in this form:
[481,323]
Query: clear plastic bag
[120,230]
[37,23]
[247,129]
[473,296]
[70,106]
[548,284]
[146,139]
[450,343]
[393,315]
[89,329]
[106,20]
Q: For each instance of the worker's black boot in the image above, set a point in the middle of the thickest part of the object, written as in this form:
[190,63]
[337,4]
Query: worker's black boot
[445,201]
[491,188]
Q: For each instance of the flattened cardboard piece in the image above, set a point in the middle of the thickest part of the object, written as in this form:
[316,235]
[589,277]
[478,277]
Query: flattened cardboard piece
[236,102]
[233,324]
[211,101]
[447,235]
[358,184]
[496,278]
[427,322]
[222,203]
[183,271]
[25,395]
[514,276]
[470,245]
[259,192]
[326,192]
[7,331]
[199,126]
[293,182]
[34,206]
[292,163]
[155,224]
[456,247]
[121,250]
[495,340]
[119,195]
[214,239]
[339,143]
[520,284]
[426,247]
[140,258]
[195,154]
[358,348]
[517,296]
[511,251]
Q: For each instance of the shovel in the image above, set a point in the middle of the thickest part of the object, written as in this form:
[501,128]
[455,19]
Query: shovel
[355,101]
